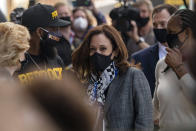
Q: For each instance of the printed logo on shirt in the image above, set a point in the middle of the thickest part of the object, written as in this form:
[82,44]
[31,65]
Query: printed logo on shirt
[50,73]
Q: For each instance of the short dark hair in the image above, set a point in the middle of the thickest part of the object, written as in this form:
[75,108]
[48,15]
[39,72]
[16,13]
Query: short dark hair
[170,8]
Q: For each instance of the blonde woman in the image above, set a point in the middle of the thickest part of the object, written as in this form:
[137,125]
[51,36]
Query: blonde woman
[14,42]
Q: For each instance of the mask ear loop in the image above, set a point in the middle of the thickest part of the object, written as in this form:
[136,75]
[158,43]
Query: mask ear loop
[178,46]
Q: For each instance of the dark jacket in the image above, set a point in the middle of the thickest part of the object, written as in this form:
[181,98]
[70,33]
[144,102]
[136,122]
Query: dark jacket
[64,51]
[128,103]
[148,59]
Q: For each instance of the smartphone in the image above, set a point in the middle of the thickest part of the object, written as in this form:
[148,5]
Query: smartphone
[77,3]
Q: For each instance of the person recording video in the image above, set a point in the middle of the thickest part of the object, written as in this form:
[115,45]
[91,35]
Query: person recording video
[137,29]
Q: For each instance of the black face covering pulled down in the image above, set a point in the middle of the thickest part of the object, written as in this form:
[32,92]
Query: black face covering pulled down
[47,51]
[100,62]
[143,22]
[161,35]
[48,41]
[173,40]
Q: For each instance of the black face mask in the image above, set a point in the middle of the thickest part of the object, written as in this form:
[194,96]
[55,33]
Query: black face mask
[100,62]
[173,40]
[66,18]
[143,21]
[161,35]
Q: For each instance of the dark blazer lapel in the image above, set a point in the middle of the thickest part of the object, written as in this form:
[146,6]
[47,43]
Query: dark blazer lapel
[113,92]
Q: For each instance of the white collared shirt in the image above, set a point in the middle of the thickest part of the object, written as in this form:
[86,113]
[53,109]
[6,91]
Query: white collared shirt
[162,51]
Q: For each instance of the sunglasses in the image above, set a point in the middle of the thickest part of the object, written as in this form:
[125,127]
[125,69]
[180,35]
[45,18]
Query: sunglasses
[52,36]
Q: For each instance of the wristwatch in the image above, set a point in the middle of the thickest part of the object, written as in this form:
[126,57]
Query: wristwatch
[141,39]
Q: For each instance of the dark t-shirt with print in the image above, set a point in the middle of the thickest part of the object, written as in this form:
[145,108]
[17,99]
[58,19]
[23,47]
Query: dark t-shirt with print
[38,66]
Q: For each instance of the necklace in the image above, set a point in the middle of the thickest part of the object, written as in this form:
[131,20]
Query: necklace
[35,63]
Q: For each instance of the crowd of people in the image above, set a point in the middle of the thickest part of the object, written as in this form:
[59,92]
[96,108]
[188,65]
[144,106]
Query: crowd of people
[64,68]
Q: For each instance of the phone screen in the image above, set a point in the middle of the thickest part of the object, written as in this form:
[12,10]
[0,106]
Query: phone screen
[77,3]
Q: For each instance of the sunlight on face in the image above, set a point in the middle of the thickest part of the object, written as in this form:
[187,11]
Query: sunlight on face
[79,13]
[63,11]
[100,44]
[144,11]
[160,19]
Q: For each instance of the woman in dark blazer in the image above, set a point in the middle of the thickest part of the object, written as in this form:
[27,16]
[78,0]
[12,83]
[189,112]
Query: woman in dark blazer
[120,90]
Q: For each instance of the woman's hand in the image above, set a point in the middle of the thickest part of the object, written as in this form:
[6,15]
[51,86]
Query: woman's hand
[174,60]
